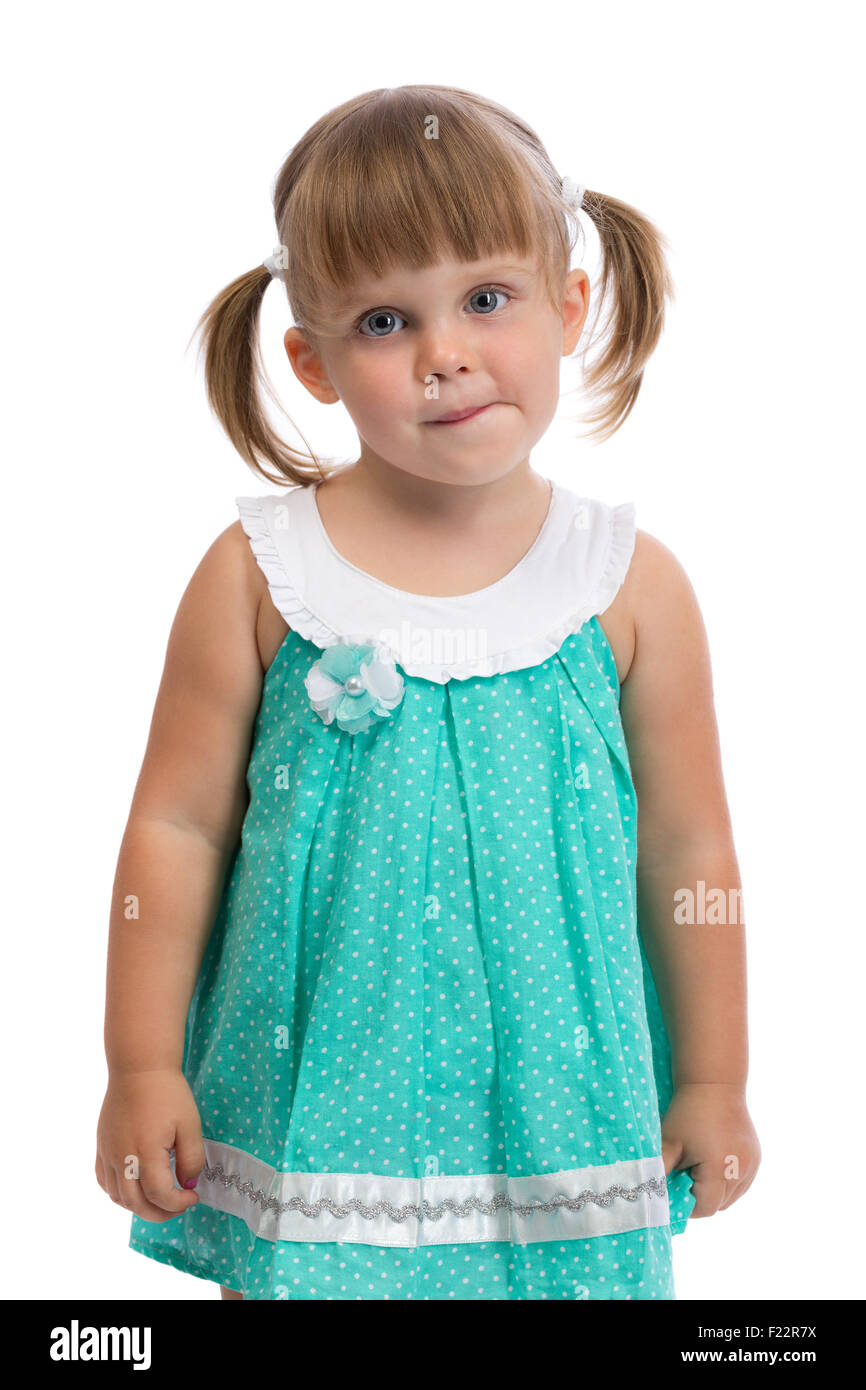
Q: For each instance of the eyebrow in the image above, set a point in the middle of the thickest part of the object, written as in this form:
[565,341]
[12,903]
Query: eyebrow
[355,300]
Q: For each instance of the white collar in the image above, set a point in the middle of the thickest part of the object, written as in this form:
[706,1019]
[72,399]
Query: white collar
[571,572]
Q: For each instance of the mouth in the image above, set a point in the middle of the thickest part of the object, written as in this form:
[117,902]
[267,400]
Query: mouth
[460,416]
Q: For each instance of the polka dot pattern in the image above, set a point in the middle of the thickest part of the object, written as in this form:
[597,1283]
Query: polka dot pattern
[426,963]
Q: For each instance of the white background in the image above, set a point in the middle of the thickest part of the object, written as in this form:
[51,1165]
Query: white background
[140,149]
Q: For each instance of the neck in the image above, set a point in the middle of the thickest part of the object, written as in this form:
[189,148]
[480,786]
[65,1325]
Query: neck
[378,485]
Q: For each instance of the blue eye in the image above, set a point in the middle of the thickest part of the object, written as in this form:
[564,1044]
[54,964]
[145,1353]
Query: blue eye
[488,291]
[380,318]
[383,320]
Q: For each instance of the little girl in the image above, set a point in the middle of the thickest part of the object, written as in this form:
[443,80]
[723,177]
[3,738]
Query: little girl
[434,738]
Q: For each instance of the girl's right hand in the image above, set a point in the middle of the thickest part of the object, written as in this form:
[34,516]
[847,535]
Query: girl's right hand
[144,1115]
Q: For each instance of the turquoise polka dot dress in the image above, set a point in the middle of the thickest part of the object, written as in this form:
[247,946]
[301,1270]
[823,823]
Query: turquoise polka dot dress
[425,1041]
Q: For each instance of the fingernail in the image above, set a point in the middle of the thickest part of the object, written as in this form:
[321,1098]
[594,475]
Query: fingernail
[191,1182]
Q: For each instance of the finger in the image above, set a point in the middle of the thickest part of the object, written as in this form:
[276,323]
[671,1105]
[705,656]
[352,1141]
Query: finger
[741,1189]
[189,1154]
[127,1188]
[132,1196]
[158,1189]
[709,1192]
[112,1185]
[121,1189]
[99,1169]
[734,1187]
[148,1212]
[672,1151]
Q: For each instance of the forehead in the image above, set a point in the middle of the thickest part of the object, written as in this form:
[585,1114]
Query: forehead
[444,274]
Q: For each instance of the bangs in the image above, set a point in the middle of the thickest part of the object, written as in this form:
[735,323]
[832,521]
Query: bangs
[376,194]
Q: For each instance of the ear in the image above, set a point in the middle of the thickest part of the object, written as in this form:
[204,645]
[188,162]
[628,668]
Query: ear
[574,309]
[308,366]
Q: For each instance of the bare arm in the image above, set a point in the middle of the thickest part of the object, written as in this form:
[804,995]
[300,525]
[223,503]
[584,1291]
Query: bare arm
[684,828]
[684,837]
[187,809]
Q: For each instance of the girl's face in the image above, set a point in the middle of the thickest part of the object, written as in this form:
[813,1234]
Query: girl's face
[420,344]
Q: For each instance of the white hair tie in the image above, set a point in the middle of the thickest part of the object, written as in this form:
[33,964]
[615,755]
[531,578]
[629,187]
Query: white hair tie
[573,192]
[270,262]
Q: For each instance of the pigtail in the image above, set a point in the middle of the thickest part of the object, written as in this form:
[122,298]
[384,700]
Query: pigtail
[636,278]
[234,371]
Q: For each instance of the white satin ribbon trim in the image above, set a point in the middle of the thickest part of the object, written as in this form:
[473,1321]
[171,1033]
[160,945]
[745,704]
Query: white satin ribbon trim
[262,1183]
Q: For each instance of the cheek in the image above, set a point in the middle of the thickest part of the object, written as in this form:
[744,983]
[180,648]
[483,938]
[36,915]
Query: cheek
[377,389]
[525,367]
[527,344]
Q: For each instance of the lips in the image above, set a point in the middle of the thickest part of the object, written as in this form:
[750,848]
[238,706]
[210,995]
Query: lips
[458,415]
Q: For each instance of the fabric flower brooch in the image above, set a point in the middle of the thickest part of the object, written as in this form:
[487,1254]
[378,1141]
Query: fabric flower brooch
[354,685]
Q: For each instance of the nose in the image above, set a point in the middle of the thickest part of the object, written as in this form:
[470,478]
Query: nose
[444,350]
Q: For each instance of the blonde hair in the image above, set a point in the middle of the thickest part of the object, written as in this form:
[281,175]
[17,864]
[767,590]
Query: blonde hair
[367,189]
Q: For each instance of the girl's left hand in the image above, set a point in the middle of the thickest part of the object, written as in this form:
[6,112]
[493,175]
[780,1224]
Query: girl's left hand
[707,1128]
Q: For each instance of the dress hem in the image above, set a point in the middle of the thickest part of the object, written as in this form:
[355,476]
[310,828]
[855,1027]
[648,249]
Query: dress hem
[176,1259]
[167,1255]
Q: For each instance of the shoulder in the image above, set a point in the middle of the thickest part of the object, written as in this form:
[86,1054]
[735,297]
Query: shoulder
[668,710]
[671,661]
[222,600]
[208,695]
[654,576]
[657,603]
[228,573]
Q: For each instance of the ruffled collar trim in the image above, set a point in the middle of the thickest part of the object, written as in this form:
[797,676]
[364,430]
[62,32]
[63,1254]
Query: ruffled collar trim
[570,573]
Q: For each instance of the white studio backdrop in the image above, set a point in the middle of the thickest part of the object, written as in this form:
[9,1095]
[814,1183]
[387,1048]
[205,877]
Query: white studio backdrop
[141,147]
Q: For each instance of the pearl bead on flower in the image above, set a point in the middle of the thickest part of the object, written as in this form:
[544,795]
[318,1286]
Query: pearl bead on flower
[354,685]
